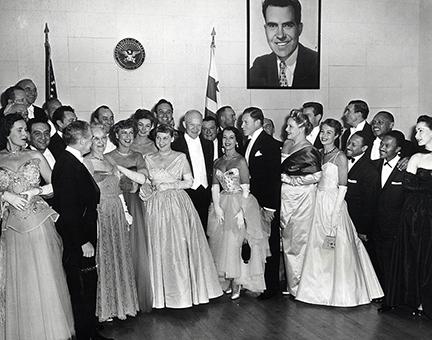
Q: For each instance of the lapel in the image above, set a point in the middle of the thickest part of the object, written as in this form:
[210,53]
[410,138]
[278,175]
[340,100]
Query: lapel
[356,167]
[256,146]
[390,178]
[272,71]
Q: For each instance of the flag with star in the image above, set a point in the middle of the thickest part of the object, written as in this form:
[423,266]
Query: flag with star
[50,84]
[212,94]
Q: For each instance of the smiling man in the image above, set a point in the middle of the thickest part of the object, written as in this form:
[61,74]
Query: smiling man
[290,65]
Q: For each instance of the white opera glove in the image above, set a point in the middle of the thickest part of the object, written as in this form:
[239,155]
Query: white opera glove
[129,218]
[38,191]
[216,199]
[240,219]
[338,205]
[301,180]
[245,190]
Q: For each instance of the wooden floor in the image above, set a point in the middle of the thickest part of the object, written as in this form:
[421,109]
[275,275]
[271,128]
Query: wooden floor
[278,318]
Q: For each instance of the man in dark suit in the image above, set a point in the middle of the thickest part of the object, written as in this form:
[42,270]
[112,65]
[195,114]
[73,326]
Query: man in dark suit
[163,112]
[314,111]
[363,180]
[62,117]
[389,205]
[31,95]
[290,65]
[12,95]
[262,153]
[199,153]
[355,115]
[209,132]
[76,196]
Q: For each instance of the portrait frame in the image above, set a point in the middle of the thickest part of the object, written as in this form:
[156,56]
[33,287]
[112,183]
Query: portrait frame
[262,63]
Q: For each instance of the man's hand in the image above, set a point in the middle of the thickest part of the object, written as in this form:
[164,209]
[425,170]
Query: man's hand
[88,250]
[363,237]
[402,164]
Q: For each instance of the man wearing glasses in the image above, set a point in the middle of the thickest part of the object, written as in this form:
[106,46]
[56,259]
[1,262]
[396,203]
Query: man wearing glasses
[290,65]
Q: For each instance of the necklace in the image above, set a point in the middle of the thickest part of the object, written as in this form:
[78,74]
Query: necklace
[123,154]
[98,158]
[225,156]
[329,152]
[13,152]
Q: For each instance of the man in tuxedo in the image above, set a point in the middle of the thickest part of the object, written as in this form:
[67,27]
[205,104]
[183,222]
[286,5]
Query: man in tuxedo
[199,153]
[39,138]
[314,111]
[31,95]
[262,153]
[12,95]
[209,132]
[62,117]
[290,65]
[383,123]
[363,179]
[225,117]
[76,196]
[49,107]
[389,204]
[163,112]
[355,115]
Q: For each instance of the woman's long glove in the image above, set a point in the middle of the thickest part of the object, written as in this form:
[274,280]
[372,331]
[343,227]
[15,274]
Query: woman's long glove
[216,198]
[338,205]
[301,180]
[129,218]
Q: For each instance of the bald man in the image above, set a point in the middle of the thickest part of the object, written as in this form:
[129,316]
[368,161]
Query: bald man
[31,93]
[199,153]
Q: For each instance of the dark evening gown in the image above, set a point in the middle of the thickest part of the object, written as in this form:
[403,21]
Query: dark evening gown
[411,271]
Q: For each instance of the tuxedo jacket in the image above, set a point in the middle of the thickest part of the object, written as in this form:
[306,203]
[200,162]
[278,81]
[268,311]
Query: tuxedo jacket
[56,145]
[264,169]
[390,200]
[76,196]
[264,72]
[317,143]
[367,129]
[363,181]
[180,144]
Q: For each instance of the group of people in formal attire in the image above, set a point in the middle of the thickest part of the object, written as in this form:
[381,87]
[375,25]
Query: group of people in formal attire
[104,219]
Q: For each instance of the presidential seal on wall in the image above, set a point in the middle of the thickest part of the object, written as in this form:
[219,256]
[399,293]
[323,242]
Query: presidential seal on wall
[129,54]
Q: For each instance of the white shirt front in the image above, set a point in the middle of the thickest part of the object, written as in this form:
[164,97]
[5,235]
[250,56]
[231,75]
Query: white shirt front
[109,147]
[76,153]
[313,135]
[53,128]
[375,154]
[215,149]
[359,127]
[251,143]
[351,163]
[198,163]
[48,156]
[387,169]
[30,111]
[290,65]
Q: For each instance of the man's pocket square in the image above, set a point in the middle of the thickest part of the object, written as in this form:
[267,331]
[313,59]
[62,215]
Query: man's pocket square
[258,153]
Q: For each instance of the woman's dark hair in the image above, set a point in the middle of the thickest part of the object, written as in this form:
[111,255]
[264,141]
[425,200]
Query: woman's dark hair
[425,119]
[6,125]
[164,128]
[121,125]
[334,124]
[143,114]
[237,135]
[302,120]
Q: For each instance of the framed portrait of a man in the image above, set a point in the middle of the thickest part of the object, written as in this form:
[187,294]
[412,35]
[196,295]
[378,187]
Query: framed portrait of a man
[283,44]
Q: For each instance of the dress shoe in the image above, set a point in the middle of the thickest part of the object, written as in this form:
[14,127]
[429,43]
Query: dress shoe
[236,293]
[267,295]
[228,290]
[385,308]
[98,336]
[379,300]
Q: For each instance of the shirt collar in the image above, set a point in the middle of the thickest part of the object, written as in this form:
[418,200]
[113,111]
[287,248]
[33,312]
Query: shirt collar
[189,139]
[359,126]
[60,133]
[255,134]
[76,153]
[292,59]
[393,162]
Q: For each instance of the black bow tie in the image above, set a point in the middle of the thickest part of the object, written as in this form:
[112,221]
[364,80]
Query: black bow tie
[388,163]
[351,159]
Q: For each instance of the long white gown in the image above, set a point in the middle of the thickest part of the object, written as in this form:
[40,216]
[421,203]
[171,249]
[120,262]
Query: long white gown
[343,276]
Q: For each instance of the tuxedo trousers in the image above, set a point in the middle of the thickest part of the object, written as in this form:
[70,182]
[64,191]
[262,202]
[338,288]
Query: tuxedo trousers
[271,273]
[201,198]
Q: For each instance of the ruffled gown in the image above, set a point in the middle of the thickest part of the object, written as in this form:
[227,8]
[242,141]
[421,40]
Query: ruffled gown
[182,270]
[297,207]
[411,271]
[226,238]
[343,276]
[116,289]
[36,301]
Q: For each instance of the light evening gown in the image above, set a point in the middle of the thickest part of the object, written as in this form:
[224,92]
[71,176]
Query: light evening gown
[226,238]
[35,297]
[343,276]
[182,270]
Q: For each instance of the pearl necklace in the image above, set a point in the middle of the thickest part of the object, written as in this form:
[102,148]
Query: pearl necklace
[329,152]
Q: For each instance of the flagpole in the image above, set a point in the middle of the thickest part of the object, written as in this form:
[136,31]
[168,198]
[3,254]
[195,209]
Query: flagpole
[211,102]
[47,63]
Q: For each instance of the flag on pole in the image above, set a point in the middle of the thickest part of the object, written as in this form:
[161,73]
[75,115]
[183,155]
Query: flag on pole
[50,84]
[212,95]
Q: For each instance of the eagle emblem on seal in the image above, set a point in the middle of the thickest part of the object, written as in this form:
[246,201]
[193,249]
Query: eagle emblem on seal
[129,54]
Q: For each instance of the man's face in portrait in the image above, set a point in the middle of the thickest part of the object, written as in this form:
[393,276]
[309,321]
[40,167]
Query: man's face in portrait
[282,31]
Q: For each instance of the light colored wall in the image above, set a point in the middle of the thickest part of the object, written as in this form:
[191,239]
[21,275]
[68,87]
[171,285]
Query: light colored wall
[369,50]
[425,58]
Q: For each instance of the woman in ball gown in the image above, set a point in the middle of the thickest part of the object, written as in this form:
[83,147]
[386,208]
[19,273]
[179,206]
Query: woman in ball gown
[145,122]
[181,265]
[122,135]
[301,170]
[411,272]
[234,218]
[35,300]
[116,288]
[342,276]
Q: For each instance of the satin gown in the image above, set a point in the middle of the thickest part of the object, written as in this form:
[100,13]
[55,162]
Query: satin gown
[116,289]
[226,238]
[411,271]
[182,270]
[343,276]
[297,207]
[35,297]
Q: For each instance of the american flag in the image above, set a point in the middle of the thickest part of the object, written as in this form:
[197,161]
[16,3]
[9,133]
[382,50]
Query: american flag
[50,83]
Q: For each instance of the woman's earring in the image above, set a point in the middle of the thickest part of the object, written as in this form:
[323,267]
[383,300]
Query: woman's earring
[236,144]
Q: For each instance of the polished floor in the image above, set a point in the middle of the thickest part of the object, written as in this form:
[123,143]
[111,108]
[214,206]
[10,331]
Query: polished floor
[277,318]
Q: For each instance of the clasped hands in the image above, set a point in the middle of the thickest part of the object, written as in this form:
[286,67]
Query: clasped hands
[20,201]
